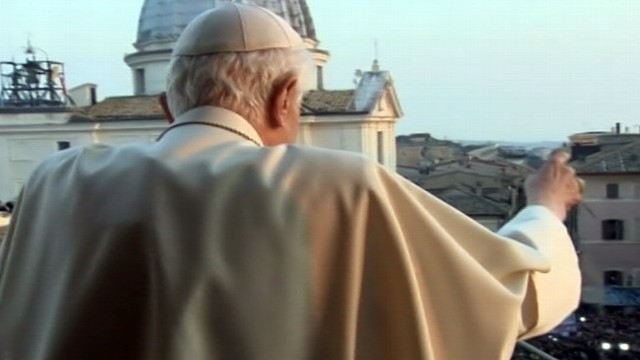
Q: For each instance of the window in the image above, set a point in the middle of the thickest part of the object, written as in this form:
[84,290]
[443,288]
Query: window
[63,145]
[94,96]
[381,147]
[612,229]
[139,84]
[613,278]
[612,191]
[320,79]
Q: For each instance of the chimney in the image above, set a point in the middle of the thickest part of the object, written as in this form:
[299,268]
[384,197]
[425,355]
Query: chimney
[83,95]
[617,128]
[376,66]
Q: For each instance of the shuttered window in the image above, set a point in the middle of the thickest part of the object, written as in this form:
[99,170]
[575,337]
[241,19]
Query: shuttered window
[612,229]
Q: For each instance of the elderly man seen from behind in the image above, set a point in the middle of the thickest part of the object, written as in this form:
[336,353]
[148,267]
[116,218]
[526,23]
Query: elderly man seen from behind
[223,241]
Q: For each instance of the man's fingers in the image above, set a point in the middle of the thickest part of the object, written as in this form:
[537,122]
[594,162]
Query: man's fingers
[559,157]
[554,165]
[555,185]
[581,184]
[570,170]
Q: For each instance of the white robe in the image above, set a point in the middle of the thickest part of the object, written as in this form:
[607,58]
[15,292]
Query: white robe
[206,246]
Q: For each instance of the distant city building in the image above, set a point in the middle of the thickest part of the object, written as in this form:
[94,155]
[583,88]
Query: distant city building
[505,169]
[423,150]
[488,190]
[513,152]
[587,143]
[461,176]
[361,120]
[497,181]
[491,214]
[483,151]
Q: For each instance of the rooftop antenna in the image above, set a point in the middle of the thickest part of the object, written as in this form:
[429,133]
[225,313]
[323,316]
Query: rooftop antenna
[29,50]
[376,64]
[375,48]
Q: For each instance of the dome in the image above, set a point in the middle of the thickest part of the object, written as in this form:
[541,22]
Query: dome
[163,20]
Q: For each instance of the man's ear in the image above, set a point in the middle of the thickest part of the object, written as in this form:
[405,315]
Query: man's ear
[283,102]
[165,107]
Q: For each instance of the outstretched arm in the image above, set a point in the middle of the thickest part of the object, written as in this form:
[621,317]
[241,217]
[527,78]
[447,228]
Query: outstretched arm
[551,192]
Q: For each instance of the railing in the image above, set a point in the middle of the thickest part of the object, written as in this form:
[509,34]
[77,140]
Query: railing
[532,349]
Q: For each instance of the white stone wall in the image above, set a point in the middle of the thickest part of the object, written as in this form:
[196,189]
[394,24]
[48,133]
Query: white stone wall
[357,133]
[596,189]
[596,207]
[22,148]
[381,134]
[83,95]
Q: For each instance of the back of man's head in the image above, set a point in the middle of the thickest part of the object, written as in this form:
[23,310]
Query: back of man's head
[233,56]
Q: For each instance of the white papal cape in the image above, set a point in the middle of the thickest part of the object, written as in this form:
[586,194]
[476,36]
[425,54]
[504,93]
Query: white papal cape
[206,246]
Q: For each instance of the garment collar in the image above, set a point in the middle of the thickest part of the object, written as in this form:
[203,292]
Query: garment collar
[220,116]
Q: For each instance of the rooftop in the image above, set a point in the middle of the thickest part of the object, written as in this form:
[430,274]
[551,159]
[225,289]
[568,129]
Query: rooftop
[471,204]
[328,101]
[147,107]
[130,107]
[621,159]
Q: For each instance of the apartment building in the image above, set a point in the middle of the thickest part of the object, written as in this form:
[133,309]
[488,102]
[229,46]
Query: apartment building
[608,225]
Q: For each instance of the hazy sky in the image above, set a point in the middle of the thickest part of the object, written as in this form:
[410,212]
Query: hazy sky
[524,70]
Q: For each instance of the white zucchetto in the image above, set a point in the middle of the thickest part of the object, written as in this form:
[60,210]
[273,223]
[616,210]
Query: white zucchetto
[235,27]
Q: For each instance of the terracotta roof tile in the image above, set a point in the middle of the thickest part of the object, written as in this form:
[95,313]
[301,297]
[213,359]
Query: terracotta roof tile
[139,107]
[147,107]
[328,101]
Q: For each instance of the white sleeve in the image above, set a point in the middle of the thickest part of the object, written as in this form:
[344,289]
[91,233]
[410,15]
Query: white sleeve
[551,294]
[519,282]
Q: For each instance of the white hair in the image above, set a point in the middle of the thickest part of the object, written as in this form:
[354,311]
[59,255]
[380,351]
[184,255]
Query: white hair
[238,81]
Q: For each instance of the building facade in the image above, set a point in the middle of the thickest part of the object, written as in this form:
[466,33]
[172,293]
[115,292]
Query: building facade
[608,224]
